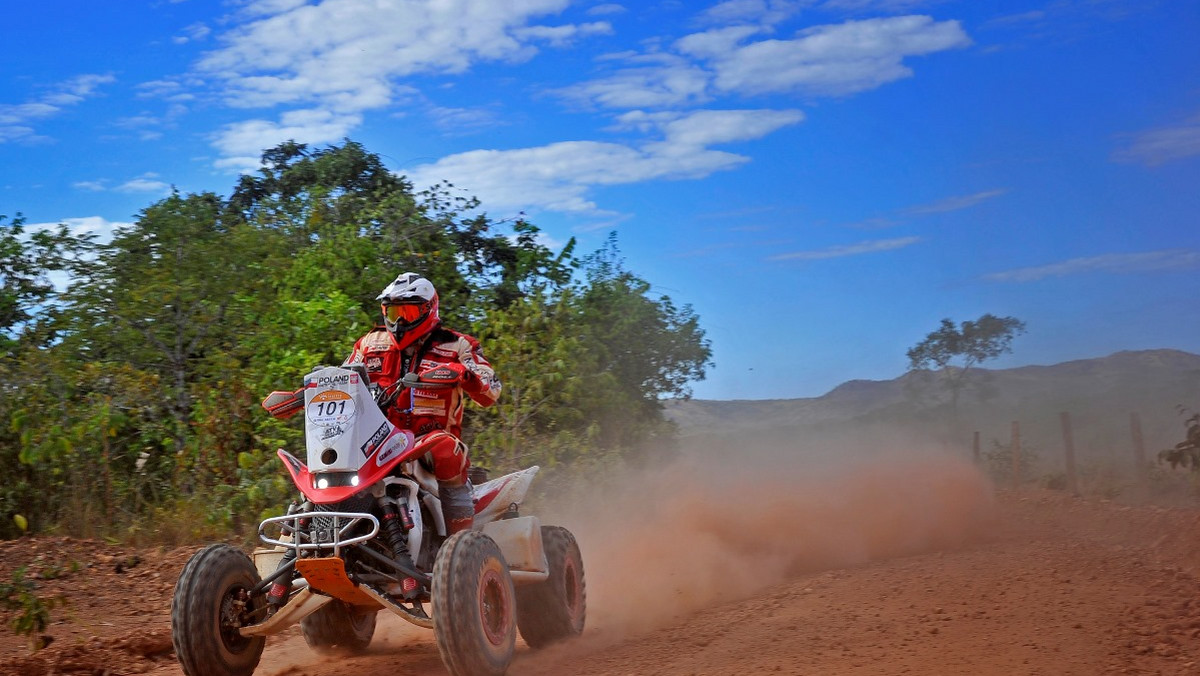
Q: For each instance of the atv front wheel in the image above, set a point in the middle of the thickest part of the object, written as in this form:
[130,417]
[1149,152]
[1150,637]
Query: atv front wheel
[473,606]
[555,608]
[212,601]
[338,626]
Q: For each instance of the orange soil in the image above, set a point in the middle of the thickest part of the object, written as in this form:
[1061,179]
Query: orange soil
[890,568]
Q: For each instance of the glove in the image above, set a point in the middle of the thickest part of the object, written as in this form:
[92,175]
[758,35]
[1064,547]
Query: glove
[446,374]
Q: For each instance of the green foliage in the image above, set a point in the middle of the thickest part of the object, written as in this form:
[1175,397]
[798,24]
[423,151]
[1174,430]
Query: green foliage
[943,364]
[1187,452]
[138,413]
[31,612]
[27,308]
[585,369]
[951,352]
[998,463]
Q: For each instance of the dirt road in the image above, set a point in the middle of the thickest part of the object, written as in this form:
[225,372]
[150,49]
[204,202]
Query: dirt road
[859,578]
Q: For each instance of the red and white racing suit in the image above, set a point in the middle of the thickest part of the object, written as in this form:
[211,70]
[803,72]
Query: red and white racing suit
[434,415]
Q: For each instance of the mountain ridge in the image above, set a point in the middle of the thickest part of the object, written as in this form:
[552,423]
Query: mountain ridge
[1099,393]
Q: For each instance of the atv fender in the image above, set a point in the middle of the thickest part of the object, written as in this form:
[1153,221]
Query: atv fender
[520,541]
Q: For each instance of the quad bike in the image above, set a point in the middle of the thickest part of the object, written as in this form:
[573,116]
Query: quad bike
[369,518]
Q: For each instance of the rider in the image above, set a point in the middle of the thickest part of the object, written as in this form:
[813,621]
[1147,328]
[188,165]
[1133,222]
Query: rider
[414,341]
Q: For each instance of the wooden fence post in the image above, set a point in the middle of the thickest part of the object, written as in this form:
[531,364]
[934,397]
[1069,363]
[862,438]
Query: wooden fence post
[1139,453]
[1069,451]
[1016,454]
[975,449]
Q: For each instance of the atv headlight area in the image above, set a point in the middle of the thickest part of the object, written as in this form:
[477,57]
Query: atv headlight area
[334,479]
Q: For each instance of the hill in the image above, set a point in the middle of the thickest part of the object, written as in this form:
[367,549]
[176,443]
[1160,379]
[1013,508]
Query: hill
[1100,395]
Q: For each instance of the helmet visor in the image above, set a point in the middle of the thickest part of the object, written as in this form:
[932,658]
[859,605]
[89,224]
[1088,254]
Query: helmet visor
[406,313]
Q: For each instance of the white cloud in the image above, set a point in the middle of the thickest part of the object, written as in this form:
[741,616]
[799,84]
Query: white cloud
[343,54]
[606,9]
[193,33]
[241,144]
[147,183]
[16,119]
[463,120]
[712,127]
[1019,18]
[255,8]
[867,247]
[76,89]
[91,186]
[1160,145]
[672,81]
[100,227]
[562,36]
[765,12]
[1150,261]
[829,60]
[955,203]
[334,60]
[559,176]
[877,5]
[716,42]
[171,90]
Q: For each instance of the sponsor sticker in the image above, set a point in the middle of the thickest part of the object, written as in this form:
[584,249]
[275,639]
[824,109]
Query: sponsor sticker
[339,380]
[395,446]
[430,408]
[331,407]
[332,431]
[374,364]
[376,439]
[377,341]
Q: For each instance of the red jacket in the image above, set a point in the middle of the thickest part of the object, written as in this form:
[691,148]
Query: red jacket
[424,411]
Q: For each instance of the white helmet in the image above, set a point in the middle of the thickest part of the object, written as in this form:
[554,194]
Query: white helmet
[410,308]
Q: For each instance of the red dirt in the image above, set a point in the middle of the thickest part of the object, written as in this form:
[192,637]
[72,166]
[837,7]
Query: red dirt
[895,568]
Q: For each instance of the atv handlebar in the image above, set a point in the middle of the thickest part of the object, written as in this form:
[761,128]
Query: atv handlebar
[283,404]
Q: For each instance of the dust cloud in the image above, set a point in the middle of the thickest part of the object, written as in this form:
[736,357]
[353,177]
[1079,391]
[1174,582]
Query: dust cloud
[668,543]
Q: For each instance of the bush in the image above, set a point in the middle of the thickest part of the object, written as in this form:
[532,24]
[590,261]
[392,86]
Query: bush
[998,463]
[32,611]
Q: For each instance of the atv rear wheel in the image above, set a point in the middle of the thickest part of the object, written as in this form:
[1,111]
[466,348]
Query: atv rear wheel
[338,626]
[554,609]
[473,606]
[212,601]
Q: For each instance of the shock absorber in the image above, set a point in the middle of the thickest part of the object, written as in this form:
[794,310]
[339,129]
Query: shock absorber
[278,593]
[396,524]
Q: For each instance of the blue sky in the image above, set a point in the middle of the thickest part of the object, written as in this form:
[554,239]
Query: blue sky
[822,180]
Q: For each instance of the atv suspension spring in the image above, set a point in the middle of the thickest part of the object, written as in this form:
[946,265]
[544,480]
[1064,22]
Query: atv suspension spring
[394,529]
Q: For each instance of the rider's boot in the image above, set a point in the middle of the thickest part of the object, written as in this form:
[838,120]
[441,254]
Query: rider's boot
[458,505]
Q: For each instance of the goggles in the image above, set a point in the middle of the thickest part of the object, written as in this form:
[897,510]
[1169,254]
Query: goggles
[406,313]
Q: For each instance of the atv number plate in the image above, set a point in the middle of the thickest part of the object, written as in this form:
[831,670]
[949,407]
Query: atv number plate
[331,407]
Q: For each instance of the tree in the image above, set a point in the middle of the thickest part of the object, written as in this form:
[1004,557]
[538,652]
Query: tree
[1187,452]
[949,356]
[26,292]
[537,419]
[585,369]
[133,395]
[164,297]
[636,350]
